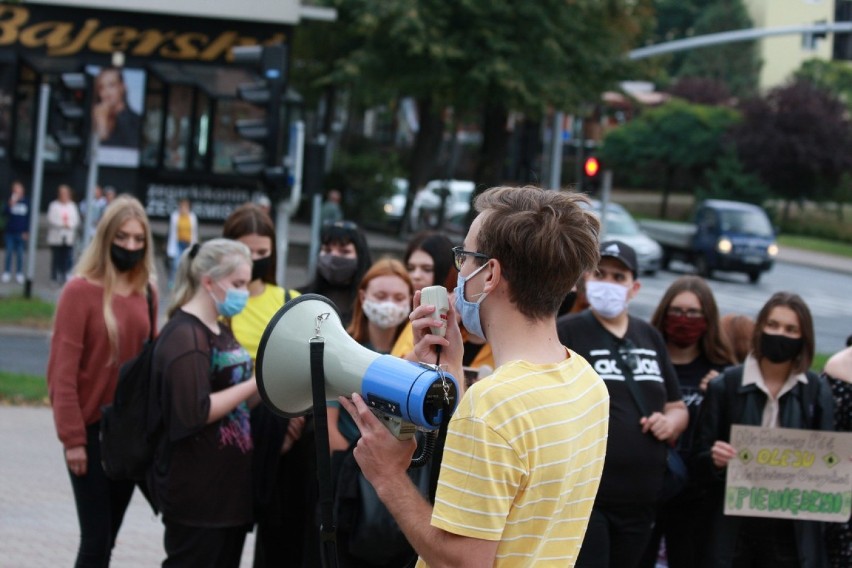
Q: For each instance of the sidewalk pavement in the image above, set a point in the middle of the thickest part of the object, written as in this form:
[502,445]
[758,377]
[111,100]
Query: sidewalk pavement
[38,519]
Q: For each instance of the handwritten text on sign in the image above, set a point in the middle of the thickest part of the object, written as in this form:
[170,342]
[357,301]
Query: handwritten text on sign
[790,474]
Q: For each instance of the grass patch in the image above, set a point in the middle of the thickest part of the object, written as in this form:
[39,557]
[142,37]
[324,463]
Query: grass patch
[29,312]
[815,244]
[19,389]
[819,362]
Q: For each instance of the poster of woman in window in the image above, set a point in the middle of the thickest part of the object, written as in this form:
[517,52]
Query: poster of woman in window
[117,114]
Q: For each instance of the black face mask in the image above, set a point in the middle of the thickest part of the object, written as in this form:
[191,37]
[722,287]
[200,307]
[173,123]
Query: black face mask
[260,267]
[337,270]
[125,259]
[780,348]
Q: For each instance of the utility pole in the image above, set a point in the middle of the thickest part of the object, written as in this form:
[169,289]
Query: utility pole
[38,181]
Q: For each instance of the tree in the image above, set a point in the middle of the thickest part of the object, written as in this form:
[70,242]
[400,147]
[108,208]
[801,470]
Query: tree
[678,137]
[701,91]
[832,76]
[485,57]
[736,65]
[727,179]
[798,140]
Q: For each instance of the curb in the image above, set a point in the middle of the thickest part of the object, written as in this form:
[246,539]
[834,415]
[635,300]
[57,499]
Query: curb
[813,259]
[23,331]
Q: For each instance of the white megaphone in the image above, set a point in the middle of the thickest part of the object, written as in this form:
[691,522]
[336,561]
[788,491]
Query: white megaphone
[405,394]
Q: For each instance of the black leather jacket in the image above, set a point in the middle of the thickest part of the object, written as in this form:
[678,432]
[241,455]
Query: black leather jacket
[727,401]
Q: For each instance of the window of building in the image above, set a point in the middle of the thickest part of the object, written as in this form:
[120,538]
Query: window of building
[152,127]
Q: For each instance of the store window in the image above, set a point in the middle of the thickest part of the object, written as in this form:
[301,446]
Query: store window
[7,85]
[152,127]
[25,114]
[201,136]
[178,127]
[227,143]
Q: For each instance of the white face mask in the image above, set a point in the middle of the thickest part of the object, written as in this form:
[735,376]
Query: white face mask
[607,299]
[385,314]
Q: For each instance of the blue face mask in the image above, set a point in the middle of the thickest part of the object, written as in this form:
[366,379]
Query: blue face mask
[469,311]
[234,302]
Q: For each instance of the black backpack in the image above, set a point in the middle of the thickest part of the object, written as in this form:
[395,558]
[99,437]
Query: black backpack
[127,438]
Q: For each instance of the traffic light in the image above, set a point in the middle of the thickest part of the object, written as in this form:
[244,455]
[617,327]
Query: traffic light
[70,117]
[266,132]
[591,174]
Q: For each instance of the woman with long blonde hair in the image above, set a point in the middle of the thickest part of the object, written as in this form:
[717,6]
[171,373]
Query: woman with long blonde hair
[102,320]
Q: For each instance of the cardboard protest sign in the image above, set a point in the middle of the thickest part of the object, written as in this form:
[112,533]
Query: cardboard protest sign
[790,474]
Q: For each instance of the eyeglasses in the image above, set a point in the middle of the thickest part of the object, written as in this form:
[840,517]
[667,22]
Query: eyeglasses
[459,256]
[690,313]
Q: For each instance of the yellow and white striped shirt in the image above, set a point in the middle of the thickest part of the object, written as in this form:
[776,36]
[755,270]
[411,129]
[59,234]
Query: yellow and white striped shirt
[523,461]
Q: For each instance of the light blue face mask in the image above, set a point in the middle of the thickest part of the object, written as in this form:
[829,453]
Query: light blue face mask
[469,311]
[234,302]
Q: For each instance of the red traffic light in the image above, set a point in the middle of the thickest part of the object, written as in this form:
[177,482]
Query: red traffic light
[592,167]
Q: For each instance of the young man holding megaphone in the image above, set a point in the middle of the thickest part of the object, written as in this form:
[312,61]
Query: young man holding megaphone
[525,447]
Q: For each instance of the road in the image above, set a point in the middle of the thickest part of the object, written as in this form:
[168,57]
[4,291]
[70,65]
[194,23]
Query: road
[826,293]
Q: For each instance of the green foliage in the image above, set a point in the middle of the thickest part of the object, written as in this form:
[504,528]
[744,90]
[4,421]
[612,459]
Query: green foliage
[826,245]
[822,226]
[364,177]
[521,55]
[727,179]
[820,359]
[674,136]
[29,311]
[22,389]
[832,76]
[798,139]
[737,65]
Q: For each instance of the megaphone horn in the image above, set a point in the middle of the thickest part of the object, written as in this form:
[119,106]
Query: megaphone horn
[411,392]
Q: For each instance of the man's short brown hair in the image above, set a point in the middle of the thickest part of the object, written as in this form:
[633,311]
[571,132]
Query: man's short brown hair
[544,239]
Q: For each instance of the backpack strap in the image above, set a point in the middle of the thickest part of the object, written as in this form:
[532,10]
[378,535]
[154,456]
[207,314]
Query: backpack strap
[287,295]
[627,370]
[733,378]
[808,399]
[149,295]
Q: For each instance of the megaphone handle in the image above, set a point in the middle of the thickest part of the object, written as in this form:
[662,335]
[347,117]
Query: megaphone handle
[328,531]
[426,449]
[438,451]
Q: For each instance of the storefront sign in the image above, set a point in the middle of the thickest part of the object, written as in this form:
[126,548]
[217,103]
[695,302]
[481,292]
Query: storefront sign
[63,32]
[209,202]
[790,474]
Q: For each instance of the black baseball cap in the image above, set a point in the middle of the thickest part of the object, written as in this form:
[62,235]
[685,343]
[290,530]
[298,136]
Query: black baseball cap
[622,252]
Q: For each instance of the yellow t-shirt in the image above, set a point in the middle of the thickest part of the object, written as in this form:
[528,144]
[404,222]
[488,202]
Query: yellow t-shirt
[184,229]
[248,325]
[405,345]
[523,461]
